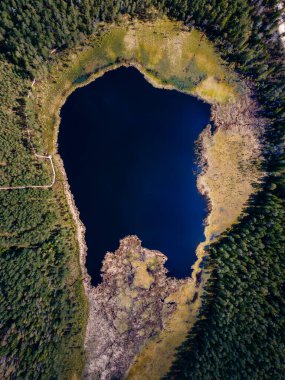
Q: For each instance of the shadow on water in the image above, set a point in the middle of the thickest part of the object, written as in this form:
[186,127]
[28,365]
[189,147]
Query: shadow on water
[128,150]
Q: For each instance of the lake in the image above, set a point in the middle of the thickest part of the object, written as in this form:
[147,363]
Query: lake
[128,150]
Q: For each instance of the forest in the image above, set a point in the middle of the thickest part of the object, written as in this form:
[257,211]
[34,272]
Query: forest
[240,332]
[42,308]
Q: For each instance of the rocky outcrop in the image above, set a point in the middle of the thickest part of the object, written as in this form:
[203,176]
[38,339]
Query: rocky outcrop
[127,308]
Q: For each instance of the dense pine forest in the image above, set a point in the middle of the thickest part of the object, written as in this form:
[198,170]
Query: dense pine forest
[41,318]
[240,334]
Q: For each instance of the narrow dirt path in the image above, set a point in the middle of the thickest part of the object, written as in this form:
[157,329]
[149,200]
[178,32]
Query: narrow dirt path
[49,157]
[35,186]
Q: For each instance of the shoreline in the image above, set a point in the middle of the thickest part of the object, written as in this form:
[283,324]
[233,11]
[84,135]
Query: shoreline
[198,277]
[249,128]
[80,228]
[155,82]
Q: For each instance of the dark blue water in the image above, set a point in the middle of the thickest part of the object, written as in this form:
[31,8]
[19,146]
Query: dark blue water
[128,150]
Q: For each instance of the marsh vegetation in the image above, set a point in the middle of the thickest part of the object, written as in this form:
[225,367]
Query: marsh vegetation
[62,44]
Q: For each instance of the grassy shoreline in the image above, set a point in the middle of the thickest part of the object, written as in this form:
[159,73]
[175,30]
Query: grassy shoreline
[115,48]
[227,186]
[79,66]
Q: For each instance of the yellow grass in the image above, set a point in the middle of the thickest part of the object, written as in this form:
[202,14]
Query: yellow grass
[210,89]
[142,278]
[157,355]
[229,177]
[228,182]
[172,58]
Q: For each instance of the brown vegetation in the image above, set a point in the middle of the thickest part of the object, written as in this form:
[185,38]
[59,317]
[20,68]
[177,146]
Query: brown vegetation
[127,308]
[231,158]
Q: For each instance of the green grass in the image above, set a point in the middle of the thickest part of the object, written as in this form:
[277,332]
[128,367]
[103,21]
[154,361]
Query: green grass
[169,55]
